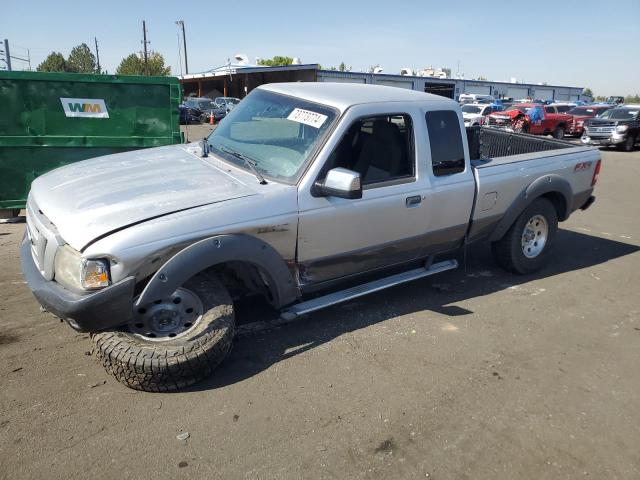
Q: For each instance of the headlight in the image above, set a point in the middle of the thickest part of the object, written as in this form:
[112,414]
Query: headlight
[77,273]
[580,123]
[622,128]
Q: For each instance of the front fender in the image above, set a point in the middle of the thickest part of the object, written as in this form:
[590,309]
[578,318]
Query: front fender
[217,250]
[543,185]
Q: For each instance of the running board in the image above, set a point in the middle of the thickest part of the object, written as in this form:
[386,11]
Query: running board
[366,288]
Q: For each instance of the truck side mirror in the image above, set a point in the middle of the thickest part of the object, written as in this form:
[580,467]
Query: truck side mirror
[341,183]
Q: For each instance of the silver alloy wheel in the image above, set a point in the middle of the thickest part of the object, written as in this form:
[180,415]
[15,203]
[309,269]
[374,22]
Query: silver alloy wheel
[167,318]
[534,236]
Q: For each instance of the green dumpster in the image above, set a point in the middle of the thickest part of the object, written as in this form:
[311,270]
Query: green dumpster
[51,119]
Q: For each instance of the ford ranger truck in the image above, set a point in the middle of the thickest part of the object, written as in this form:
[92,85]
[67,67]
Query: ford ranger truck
[309,194]
[618,127]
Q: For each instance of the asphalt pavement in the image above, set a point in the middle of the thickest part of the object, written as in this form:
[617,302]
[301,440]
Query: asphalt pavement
[473,374]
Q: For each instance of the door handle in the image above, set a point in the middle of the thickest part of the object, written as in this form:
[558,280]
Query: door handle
[413,201]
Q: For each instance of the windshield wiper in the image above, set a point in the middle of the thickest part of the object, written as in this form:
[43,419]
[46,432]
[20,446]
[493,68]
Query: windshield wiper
[249,162]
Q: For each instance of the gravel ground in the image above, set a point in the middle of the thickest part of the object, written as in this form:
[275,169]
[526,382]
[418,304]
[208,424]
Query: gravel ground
[474,374]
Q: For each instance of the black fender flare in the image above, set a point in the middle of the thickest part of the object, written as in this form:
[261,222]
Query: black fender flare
[216,250]
[543,185]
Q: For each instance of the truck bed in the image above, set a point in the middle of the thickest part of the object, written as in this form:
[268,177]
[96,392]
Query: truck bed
[486,144]
[506,164]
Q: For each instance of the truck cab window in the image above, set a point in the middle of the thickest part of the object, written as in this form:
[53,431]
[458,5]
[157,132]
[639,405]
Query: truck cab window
[379,148]
[447,153]
[549,110]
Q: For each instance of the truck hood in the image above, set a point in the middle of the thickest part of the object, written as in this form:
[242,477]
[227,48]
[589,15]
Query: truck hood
[89,199]
[600,122]
[506,114]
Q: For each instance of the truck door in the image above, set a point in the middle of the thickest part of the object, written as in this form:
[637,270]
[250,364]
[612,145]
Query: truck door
[405,213]
[339,237]
[550,120]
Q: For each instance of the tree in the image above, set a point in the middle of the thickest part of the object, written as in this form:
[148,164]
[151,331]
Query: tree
[81,60]
[134,65]
[55,62]
[342,67]
[276,61]
[632,98]
[588,92]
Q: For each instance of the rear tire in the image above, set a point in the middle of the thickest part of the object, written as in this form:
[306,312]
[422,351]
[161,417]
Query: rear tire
[165,364]
[526,245]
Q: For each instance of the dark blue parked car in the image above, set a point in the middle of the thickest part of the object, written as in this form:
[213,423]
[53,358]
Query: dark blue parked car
[188,115]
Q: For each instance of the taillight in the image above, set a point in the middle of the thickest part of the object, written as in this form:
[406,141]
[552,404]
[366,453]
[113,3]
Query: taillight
[596,172]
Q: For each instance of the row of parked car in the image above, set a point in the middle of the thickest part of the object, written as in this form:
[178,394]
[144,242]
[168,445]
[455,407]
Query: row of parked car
[596,124]
[201,109]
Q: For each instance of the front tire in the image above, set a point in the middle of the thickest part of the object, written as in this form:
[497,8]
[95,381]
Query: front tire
[526,245]
[558,133]
[174,342]
[627,146]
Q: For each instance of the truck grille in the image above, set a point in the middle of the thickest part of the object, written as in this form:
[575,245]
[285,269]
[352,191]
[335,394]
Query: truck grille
[499,121]
[44,239]
[599,129]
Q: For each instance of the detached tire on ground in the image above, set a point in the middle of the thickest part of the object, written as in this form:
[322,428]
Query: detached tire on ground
[173,342]
[526,245]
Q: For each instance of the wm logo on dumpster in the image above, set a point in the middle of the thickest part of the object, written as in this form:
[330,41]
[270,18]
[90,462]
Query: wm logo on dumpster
[84,107]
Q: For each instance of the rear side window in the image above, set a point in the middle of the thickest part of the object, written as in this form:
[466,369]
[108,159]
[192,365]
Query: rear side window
[549,110]
[445,138]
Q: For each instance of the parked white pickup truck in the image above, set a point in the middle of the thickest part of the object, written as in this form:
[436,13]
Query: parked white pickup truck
[302,189]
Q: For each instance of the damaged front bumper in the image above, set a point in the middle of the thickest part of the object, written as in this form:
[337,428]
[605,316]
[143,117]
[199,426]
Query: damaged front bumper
[106,308]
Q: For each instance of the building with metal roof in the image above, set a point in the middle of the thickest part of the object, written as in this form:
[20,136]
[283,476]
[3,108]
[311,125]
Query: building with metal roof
[237,80]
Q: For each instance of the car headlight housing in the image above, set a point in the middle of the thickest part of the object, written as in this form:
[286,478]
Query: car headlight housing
[622,128]
[77,273]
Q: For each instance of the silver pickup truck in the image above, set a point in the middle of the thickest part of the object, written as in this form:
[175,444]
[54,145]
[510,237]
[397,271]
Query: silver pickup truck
[309,194]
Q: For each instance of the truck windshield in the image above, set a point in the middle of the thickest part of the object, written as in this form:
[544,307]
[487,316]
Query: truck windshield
[472,109]
[584,111]
[278,133]
[620,114]
[206,105]
[520,108]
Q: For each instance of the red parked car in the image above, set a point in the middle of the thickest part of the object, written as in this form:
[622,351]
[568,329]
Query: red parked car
[580,114]
[521,117]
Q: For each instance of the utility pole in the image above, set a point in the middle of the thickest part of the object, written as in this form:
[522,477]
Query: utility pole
[144,41]
[180,23]
[179,54]
[7,54]
[97,55]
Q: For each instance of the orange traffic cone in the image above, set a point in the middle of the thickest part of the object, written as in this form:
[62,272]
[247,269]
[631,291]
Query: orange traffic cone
[212,121]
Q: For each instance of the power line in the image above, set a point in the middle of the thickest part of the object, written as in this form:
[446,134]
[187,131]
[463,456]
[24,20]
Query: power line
[6,51]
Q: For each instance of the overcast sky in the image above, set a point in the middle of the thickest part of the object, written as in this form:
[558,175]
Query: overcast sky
[588,43]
